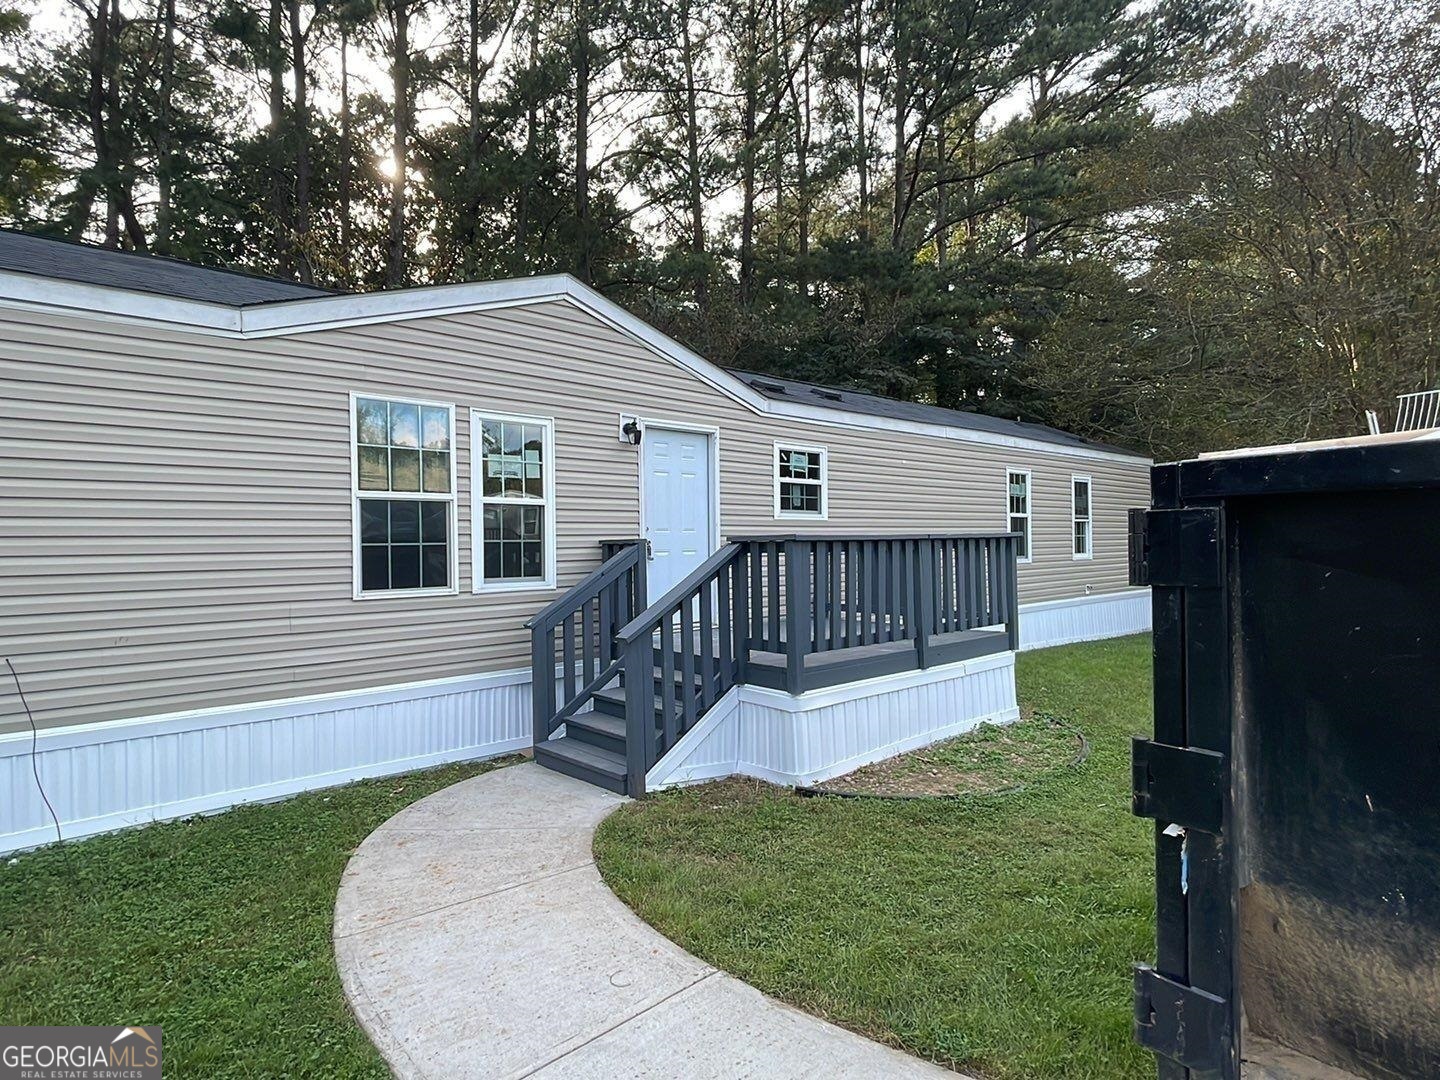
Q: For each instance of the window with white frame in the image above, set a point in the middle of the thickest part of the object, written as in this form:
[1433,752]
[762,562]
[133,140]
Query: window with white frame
[801,480]
[404,495]
[515,501]
[1017,488]
[1081,514]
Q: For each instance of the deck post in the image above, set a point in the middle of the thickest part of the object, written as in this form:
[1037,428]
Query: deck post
[639,711]
[797,613]
[542,682]
[1012,584]
[924,599]
[642,560]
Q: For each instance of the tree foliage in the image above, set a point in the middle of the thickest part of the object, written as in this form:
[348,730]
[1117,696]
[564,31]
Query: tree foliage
[1138,220]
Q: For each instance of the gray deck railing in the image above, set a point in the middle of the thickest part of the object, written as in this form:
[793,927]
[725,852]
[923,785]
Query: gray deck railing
[690,645]
[798,596]
[578,630]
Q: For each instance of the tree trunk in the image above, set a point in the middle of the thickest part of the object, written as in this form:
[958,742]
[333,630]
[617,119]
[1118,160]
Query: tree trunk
[583,245]
[777,162]
[102,102]
[747,161]
[942,198]
[400,76]
[802,177]
[164,142]
[123,164]
[279,203]
[532,125]
[347,221]
[95,106]
[901,68]
[300,70]
[1031,247]
[862,153]
[470,216]
[692,160]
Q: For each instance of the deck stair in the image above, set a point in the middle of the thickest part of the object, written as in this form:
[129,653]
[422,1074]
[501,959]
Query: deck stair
[592,747]
[791,613]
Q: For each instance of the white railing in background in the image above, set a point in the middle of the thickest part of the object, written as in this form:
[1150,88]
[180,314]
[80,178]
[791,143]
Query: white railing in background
[1416,412]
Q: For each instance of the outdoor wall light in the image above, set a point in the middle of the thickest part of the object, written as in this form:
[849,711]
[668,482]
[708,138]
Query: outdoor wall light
[630,431]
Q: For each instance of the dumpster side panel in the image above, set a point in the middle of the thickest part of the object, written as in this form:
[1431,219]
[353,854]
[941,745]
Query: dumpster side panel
[1338,604]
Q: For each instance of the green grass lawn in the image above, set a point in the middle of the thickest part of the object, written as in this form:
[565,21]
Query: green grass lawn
[994,934]
[217,928]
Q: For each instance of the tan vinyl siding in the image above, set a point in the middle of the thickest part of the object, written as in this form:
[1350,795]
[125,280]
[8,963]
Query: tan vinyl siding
[175,509]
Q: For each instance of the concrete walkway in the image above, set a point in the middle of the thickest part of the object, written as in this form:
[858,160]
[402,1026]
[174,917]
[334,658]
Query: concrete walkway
[476,939]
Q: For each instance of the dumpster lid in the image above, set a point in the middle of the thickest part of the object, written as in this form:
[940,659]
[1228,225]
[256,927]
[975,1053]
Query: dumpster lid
[1383,439]
[1390,461]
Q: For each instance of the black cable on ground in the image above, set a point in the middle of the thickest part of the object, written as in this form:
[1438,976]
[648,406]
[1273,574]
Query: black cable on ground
[34,749]
[1075,763]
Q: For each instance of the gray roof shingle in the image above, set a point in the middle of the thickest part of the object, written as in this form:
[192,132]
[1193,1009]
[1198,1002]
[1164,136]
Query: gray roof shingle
[43,256]
[853,401]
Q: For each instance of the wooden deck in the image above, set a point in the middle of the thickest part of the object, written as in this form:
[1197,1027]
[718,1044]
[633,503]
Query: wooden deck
[835,667]
[792,613]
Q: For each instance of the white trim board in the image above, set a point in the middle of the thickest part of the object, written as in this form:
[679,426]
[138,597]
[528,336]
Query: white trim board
[37,293]
[804,739]
[115,774]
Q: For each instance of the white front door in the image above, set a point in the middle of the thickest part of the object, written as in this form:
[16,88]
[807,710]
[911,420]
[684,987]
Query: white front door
[679,504]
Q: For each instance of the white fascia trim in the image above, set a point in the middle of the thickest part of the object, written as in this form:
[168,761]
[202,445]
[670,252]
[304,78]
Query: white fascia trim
[19,742]
[335,312]
[31,292]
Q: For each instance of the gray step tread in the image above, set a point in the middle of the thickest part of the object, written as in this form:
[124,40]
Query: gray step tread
[615,695]
[584,754]
[603,723]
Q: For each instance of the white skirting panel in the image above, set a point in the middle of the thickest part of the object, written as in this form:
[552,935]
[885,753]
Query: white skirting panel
[1086,618]
[755,731]
[111,775]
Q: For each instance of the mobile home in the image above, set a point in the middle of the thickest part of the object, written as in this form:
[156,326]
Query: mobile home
[260,537]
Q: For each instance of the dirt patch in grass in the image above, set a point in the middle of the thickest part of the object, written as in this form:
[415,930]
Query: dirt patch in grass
[990,759]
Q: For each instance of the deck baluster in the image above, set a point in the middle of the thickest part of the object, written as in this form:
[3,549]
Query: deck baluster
[797,613]
[925,604]
[707,647]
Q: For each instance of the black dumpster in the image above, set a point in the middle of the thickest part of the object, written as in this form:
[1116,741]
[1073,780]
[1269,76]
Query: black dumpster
[1294,775]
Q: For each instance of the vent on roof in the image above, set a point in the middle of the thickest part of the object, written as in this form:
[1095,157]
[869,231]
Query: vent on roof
[768,387]
[829,395]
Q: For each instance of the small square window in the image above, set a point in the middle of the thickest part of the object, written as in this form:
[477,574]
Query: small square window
[800,481]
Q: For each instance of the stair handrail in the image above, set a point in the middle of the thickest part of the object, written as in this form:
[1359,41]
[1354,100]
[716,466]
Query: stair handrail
[685,589]
[696,591]
[623,575]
